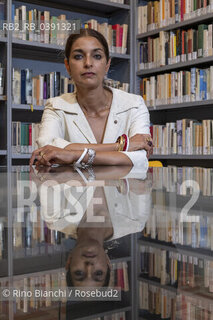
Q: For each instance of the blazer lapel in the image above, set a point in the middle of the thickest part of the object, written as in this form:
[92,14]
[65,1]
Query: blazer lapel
[81,123]
[112,128]
[70,105]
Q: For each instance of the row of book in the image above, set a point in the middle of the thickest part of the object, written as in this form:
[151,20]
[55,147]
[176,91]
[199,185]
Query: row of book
[116,84]
[31,239]
[164,225]
[116,35]
[45,280]
[158,14]
[176,269]
[119,276]
[178,87]
[176,46]
[171,178]
[41,26]
[158,303]
[184,136]
[24,137]
[36,90]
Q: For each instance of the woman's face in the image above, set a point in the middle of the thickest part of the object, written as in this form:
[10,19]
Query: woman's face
[88,265]
[87,63]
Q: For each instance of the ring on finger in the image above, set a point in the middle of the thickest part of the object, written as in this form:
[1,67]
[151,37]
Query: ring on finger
[41,154]
[149,142]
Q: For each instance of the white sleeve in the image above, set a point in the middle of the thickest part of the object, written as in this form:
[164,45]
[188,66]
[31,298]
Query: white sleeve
[140,120]
[51,129]
[138,158]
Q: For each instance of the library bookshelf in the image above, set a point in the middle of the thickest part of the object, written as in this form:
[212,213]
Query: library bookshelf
[161,113]
[43,57]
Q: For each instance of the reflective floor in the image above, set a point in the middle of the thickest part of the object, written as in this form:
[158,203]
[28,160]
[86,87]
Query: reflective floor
[106,243]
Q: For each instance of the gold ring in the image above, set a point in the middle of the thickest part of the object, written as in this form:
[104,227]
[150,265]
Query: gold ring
[41,153]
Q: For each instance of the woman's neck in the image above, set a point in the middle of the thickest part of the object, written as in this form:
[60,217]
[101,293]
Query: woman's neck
[93,100]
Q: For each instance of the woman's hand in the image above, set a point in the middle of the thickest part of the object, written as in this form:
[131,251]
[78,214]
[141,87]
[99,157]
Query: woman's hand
[50,155]
[141,141]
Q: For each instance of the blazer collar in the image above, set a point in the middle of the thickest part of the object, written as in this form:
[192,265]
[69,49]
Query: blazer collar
[120,104]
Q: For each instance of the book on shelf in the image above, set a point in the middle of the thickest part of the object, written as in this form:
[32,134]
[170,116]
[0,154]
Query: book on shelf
[165,304]
[176,46]
[184,136]
[119,276]
[116,35]
[116,84]
[176,269]
[41,26]
[36,90]
[49,280]
[177,87]
[45,28]
[24,137]
[2,79]
[158,14]
[172,177]
[32,237]
[156,301]
[171,228]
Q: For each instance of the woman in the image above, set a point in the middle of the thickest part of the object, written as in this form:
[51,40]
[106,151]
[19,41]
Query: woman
[83,127]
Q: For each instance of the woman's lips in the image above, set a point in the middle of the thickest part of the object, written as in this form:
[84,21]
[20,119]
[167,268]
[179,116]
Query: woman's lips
[88,74]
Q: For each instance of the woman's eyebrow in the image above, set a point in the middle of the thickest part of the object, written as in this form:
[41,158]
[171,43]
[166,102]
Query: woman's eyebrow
[80,50]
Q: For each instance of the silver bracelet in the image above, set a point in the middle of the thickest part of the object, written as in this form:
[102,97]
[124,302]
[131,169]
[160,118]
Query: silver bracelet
[91,154]
[78,162]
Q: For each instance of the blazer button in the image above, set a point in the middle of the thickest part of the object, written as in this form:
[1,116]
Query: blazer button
[115,122]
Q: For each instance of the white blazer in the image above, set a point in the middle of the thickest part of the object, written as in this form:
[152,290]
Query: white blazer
[128,213]
[63,122]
